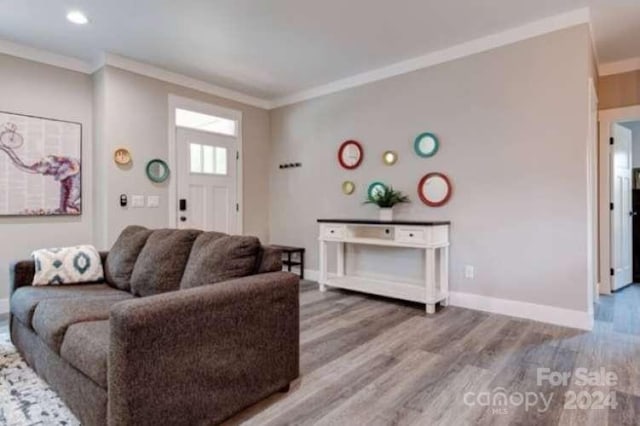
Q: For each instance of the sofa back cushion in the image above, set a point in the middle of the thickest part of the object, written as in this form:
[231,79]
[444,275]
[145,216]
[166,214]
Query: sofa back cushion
[162,261]
[123,255]
[219,257]
[269,260]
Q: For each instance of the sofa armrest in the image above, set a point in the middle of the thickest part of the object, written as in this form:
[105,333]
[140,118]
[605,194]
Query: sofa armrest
[200,355]
[21,274]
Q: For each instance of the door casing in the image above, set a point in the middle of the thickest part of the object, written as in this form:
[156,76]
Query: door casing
[174,102]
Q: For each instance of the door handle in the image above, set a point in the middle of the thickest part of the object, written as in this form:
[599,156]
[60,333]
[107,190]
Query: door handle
[183,219]
[633,213]
[183,204]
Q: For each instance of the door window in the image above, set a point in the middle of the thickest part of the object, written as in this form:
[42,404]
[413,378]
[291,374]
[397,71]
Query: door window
[207,159]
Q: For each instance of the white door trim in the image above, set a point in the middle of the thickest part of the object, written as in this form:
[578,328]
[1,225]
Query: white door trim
[176,101]
[607,117]
[592,197]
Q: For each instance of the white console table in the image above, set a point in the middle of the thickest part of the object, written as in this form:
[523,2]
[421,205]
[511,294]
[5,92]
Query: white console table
[432,237]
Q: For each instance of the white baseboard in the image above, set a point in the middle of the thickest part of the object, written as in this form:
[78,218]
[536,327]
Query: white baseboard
[531,311]
[4,306]
[311,274]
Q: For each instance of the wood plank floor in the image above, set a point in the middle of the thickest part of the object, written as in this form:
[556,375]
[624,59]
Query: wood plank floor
[373,361]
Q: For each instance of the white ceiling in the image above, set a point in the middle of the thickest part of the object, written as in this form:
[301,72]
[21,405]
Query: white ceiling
[273,48]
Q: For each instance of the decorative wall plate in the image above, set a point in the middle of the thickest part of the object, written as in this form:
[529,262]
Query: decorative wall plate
[348,187]
[389,158]
[426,145]
[375,188]
[157,171]
[122,156]
[350,154]
[434,189]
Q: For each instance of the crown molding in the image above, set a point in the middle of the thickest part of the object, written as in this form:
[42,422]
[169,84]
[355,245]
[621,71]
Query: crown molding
[44,56]
[482,44]
[619,67]
[147,70]
[85,67]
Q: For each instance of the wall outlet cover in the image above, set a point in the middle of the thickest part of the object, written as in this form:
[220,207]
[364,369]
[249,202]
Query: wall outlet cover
[469,272]
[153,201]
[137,201]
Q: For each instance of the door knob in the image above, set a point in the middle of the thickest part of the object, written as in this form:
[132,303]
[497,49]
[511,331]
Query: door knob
[633,213]
[183,219]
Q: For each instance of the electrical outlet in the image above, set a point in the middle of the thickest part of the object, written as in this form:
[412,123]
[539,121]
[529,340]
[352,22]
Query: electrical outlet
[469,272]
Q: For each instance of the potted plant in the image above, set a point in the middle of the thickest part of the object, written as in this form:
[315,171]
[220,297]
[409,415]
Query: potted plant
[386,197]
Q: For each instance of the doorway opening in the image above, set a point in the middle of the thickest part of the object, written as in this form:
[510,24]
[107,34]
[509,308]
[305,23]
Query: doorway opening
[205,150]
[625,203]
[616,209]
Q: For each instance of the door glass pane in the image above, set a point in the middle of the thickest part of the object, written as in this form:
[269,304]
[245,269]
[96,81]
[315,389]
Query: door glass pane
[196,158]
[207,157]
[221,161]
[208,123]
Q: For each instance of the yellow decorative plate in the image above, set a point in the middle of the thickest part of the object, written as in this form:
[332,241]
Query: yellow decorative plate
[122,156]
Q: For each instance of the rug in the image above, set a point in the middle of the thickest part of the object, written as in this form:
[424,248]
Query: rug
[26,399]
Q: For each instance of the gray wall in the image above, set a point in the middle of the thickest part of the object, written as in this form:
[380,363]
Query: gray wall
[36,89]
[513,129]
[132,111]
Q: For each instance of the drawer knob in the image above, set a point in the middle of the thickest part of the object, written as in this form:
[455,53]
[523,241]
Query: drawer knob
[386,231]
[411,235]
[332,231]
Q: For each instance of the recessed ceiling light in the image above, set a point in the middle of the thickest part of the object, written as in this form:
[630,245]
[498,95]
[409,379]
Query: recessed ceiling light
[77,17]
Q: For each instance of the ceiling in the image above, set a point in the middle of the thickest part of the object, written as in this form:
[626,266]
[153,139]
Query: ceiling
[274,48]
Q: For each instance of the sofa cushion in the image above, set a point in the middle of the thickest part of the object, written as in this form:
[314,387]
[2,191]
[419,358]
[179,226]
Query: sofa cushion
[219,257]
[123,255]
[52,317]
[86,347]
[161,263]
[25,299]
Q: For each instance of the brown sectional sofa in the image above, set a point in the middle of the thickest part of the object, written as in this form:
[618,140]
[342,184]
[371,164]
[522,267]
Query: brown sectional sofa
[188,328]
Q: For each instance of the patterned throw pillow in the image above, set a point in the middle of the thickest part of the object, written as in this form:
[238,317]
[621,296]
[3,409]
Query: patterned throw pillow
[68,265]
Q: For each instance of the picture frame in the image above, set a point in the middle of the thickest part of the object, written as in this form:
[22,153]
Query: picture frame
[40,166]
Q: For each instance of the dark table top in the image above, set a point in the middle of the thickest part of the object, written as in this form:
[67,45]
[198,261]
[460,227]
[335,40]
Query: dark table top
[286,248]
[382,222]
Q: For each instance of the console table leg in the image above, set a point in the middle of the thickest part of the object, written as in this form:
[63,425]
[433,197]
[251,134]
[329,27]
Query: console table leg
[430,273]
[322,279]
[444,275]
[340,260]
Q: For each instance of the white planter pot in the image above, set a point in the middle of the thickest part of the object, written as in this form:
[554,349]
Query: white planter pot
[386,214]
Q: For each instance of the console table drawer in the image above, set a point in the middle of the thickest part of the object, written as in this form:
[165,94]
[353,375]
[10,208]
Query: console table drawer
[333,231]
[411,235]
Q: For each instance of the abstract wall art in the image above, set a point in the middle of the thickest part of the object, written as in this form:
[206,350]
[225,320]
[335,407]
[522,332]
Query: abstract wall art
[40,166]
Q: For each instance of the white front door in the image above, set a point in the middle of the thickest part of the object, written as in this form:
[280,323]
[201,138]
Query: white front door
[621,219]
[207,181]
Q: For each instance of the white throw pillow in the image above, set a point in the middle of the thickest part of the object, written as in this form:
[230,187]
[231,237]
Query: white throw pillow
[67,265]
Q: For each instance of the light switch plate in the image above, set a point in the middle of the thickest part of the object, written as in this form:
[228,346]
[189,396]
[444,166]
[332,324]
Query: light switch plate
[153,201]
[137,201]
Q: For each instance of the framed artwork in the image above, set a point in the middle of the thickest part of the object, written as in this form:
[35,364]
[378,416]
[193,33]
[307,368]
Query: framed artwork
[40,166]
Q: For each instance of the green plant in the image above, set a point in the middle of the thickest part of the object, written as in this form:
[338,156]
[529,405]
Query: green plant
[386,197]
